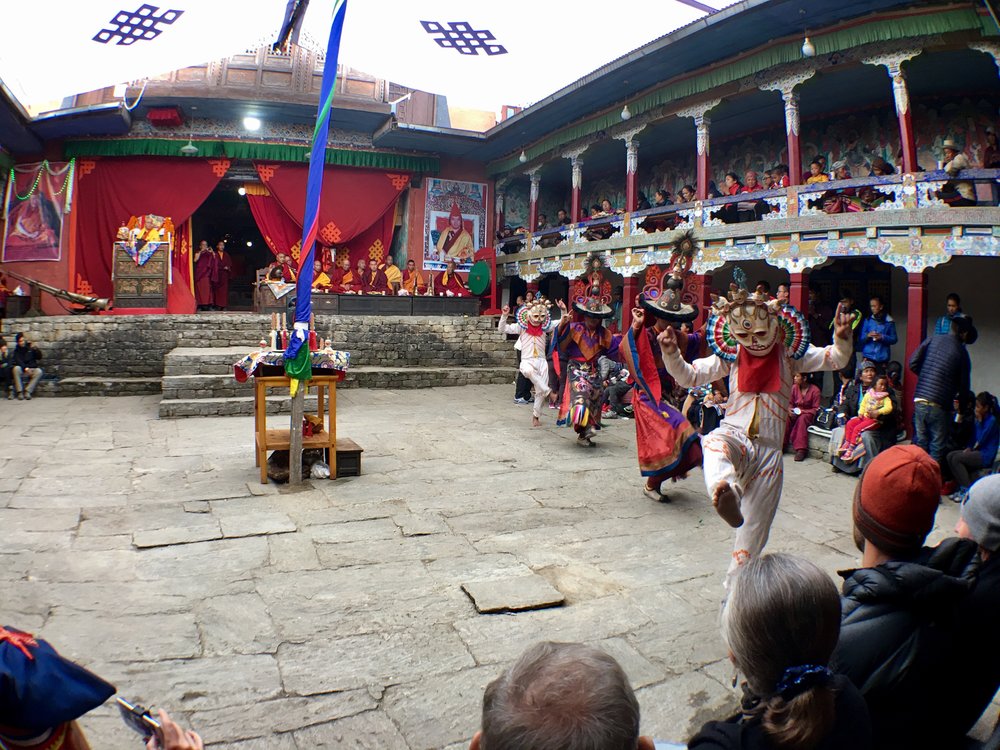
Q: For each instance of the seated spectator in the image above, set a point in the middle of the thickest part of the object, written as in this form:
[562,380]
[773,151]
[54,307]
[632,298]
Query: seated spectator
[561,695]
[642,203]
[781,623]
[662,198]
[881,168]
[713,190]
[542,223]
[802,411]
[25,359]
[562,219]
[848,405]
[449,284]
[42,694]
[729,213]
[373,280]
[6,370]
[781,176]
[918,624]
[688,194]
[953,309]
[602,231]
[956,193]
[617,389]
[752,210]
[981,450]
[767,180]
[816,173]
[876,407]
[607,209]
[321,282]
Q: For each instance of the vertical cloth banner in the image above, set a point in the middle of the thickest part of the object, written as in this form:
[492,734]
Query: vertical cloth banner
[298,365]
[38,195]
[280,231]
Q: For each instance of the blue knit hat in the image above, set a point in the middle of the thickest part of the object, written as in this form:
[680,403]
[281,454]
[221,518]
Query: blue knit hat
[39,689]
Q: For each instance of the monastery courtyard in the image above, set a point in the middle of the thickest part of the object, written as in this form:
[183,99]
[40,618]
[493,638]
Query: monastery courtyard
[335,615]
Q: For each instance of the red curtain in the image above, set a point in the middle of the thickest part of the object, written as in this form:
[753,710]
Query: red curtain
[113,190]
[352,199]
[281,232]
[374,242]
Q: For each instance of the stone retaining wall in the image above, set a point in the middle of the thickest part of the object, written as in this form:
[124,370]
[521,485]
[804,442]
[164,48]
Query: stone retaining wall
[126,346]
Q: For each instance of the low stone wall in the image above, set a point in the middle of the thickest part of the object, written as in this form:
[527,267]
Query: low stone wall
[134,346]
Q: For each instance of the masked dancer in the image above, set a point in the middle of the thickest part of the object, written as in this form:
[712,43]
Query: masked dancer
[533,324]
[760,344]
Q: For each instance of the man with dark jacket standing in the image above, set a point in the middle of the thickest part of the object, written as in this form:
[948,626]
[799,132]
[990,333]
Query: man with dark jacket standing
[942,365]
[908,613]
[878,334]
[25,358]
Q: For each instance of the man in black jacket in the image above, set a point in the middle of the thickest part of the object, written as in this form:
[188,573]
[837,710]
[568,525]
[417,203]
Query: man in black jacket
[6,379]
[25,359]
[908,613]
[942,365]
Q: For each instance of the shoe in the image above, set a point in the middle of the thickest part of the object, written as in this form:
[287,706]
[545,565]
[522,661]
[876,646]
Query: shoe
[609,415]
[960,496]
[800,455]
[20,397]
[10,395]
[521,401]
[27,397]
[949,488]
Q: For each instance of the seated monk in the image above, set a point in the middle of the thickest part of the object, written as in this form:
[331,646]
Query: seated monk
[359,275]
[393,276]
[281,269]
[450,284]
[374,280]
[321,282]
[414,281]
[343,280]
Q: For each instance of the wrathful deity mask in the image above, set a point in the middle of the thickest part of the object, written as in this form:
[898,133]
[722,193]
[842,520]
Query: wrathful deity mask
[754,327]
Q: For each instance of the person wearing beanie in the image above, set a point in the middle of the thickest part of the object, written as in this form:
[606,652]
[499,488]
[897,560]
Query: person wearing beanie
[907,612]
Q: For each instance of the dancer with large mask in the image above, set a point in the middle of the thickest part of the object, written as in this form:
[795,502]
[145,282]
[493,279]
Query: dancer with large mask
[533,323]
[760,345]
[665,441]
[580,345]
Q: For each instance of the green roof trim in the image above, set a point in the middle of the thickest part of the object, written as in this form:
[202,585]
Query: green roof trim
[249,150]
[877,30]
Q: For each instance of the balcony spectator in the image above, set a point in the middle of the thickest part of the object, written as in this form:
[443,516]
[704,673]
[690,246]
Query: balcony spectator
[782,294]
[881,168]
[688,194]
[767,180]
[991,154]
[603,231]
[953,309]
[816,173]
[982,449]
[730,213]
[942,366]
[878,334]
[713,190]
[956,193]
[643,202]
[542,223]
[607,209]
[841,171]
[752,210]
[781,176]
[562,218]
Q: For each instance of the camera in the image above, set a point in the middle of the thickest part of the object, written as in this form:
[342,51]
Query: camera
[137,718]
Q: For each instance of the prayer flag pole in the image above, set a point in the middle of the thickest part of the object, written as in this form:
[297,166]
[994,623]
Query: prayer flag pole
[298,359]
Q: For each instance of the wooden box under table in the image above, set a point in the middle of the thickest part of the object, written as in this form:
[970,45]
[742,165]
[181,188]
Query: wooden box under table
[140,286]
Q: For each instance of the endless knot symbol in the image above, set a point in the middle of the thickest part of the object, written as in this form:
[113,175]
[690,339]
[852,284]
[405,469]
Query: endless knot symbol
[460,35]
[376,251]
[137,25]
[330,234]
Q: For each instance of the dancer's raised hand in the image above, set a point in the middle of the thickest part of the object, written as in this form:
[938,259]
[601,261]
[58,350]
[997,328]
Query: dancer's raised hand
[505,310]
[667,340]
[638,319]
[842,323]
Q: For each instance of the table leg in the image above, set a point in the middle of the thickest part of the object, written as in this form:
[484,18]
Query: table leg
[332,427]
[320,392]
[260,428]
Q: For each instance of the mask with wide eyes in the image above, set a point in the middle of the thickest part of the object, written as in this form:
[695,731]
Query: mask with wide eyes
[753,328]
[536,317]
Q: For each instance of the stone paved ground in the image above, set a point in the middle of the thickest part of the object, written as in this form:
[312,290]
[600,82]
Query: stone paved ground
[335,616]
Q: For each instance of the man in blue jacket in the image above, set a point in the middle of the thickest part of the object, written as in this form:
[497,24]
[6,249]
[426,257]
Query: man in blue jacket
[943,369]
[878,334]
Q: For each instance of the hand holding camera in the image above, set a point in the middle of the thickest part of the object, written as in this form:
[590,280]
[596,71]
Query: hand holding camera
[161,733]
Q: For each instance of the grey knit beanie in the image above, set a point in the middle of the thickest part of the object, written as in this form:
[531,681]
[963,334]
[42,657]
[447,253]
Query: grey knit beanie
[981,512]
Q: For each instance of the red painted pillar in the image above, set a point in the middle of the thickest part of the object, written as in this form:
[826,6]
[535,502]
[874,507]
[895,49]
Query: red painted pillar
[702,286]
[702,123]
[916,331]
[798,291]
[629,291]
[574,209]
[631,174]
[907,141]
[536,178]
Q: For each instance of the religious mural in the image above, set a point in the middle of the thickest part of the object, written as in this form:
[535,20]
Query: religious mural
[454,223]
[36,199]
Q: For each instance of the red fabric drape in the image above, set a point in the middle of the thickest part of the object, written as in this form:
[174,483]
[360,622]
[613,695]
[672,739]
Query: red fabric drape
[180,294]
[280,231]
[112,190]
[352,199]
[374,242]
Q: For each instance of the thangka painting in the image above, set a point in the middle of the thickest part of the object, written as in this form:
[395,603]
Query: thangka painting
[35,202]
[454,223]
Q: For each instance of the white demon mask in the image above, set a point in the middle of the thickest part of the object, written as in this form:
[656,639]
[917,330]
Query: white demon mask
[754,327]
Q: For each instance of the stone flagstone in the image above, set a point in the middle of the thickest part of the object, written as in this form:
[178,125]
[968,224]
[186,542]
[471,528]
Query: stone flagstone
[515,594]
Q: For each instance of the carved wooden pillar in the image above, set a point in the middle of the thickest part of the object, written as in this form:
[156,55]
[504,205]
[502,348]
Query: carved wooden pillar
[916,331]
[703,294]
[702,124]
[536,179]
[577,183]
[631,174]
[893,64]
[786,86]
[500,219]
[629,290]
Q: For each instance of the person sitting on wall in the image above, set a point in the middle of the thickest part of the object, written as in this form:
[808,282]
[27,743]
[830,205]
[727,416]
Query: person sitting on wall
[374,281]
[449,284]
[414,282]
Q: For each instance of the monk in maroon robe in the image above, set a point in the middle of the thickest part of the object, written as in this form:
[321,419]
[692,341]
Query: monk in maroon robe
[342,279]
[802,410]
[220,279]
[449,281]
[204,269]
[374,281]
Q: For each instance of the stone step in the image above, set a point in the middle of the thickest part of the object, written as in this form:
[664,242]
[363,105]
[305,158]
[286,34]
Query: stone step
[68,387]
[226,407]
[200,386]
